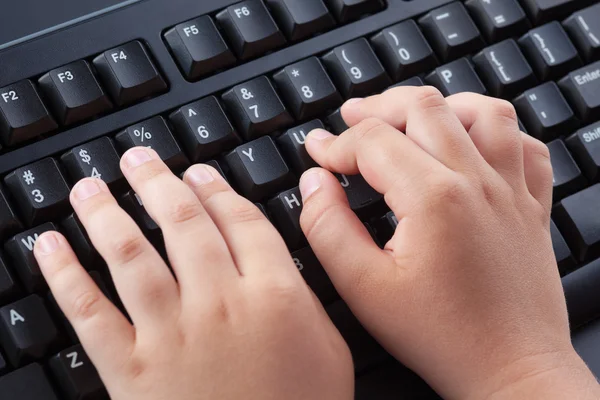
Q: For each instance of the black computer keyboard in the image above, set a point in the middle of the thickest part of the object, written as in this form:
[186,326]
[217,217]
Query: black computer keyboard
[238,85]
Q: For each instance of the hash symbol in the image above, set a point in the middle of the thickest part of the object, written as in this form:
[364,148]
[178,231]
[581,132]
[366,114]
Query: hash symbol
[28,176]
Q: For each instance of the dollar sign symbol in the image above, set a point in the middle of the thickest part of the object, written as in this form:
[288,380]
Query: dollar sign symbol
[85,157]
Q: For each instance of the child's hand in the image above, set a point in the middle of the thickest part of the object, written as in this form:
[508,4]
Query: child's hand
[467,293]
[239,322]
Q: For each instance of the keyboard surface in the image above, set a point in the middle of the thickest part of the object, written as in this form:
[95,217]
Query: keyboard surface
[238,85]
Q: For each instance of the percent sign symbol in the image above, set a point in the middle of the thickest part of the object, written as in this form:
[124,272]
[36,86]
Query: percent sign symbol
[142,134]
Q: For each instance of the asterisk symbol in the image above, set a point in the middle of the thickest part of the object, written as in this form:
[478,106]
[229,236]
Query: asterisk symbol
[296,73]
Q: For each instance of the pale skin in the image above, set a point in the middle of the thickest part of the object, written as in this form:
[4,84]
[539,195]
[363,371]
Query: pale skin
[466,293]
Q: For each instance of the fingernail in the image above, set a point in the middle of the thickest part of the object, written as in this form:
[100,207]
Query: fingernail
[200,175]
[137,156]
[319,134]
[353,101]
[47,244]
[86,188]
[310,183]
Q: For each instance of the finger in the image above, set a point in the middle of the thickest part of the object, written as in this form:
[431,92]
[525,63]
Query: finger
[145,284]
[196,249]
[538,170]
[340,241]
[255,245]
[104,332]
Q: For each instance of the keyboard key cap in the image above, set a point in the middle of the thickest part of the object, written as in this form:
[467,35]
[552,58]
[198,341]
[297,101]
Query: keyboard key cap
[336,122]
[20,250]
[27,331]
[363,199]
[285,209]
[133,205]
[499,19]
[550,51]
[9,222]
[204,129]
[544,10]
[307,89]
[545,112]
[128,73]
[451,31]
[403,50]
[349,10]
[385,227]
[40,191]
[585,146]
[73,93]
[8,287]
[355,69]
[315,276]
[577,219]
[3,366]
[564,258]
[96,159]
[80,242]
[456,77]
[199,48]
[76,375]
[258,169]
[299,20]
[154,133]
[30,382]
[504,69]
[256,108]
[568,178]
[582,89]
[23,116]
[291,144]
[414,81]
[250,29]
[584,29]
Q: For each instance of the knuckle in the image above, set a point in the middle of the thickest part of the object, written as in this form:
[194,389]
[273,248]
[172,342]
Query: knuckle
[504,110]
[240,211]
[128,247]
[429,97]
[184,211]
[450,189]
[150,171]
[86,305]
[368,128]
[315,215]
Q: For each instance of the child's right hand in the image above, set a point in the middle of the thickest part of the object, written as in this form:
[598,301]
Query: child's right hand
[467,293]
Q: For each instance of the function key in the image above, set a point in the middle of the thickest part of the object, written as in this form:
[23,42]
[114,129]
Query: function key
[74,93]
[451,31]
[96,159]
[403,50]
[23,116]
[456,77]
[306,87]
[76,375]
[585,146]
[129,74]
[291,144]
[584,29]
[301,19]
[499,19]
[154,133]
[256,108]
[199,48]
[31,383]
[545,10]
[204,129]
[582,89]
[355,69]
[567,177]
[349,10]
[250,29]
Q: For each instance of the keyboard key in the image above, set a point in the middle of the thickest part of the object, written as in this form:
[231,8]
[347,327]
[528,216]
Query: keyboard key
[568,178]
[315,276]
[133,205]
[285,209]
[545,112]
[456,77]
[544,10]
[584,29]
[349,10]
[40,191]
[8,288]
[96,159]
[128,73]
[504,69]
[585,146]
[199,48]
[250,29]
[80,242]
[23,116]
[256,108]
[550,51]
[564,258]
[355,69]
[30,382]
[307,89]
[9,222]
[299,20]
[20,250]
[385,227]
[76,375]
[258,169]
[3,366]
[73,93]
[336,122]
[582,89]
[499,19]
[577,219]
[27,331]
[414,81]
[204,129]
[451,31]
[363,199]
[154,133]
[291,144]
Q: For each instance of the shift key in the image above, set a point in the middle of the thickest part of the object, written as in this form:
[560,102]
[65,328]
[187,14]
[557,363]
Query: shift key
[585,147]
[582,89]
